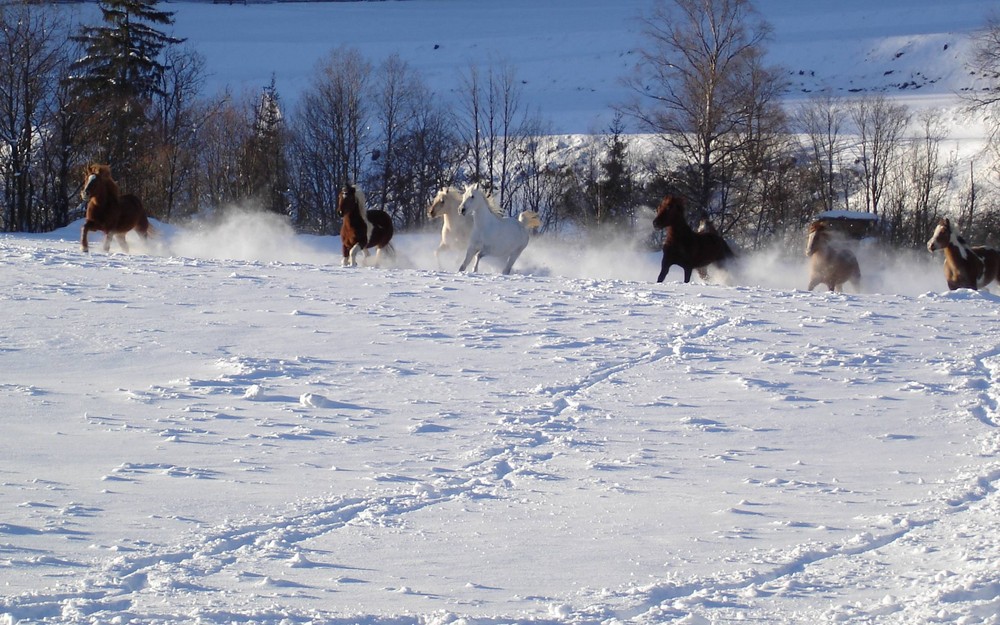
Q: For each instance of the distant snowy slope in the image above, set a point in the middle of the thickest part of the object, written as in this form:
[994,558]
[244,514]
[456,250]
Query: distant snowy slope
[571,54]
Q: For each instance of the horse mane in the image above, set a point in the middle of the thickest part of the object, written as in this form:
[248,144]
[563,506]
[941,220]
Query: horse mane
[454,192]
[103,172]
[487,198]
[362,202]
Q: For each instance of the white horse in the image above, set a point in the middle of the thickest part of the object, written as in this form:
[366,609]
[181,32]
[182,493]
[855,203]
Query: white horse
[457,227]
[493,235]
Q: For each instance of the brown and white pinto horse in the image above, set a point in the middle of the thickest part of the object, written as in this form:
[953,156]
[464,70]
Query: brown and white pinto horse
[361,229]
[965,267]
[830,265]
[109,211]
[683,246]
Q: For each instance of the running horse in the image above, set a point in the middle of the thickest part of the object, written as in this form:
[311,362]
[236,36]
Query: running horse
[683,246]
[493,235]
[965,267]
[830,265]
[456,227]
[109,211]
[361,229]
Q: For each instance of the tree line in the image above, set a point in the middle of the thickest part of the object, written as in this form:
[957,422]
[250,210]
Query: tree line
[704,118]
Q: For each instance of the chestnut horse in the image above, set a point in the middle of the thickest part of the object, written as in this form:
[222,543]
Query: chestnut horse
[683,246]
[965,267]
[829,264]
[361,229]
[109,211]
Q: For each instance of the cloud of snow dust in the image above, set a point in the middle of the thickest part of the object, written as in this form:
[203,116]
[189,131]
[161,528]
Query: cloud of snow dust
[603,254]
[252,235]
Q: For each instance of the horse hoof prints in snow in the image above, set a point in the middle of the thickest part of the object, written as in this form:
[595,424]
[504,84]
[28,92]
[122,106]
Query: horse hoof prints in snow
[828,264]
[492,235]
[109,211]
[361,229]
[965,267]
[683,246]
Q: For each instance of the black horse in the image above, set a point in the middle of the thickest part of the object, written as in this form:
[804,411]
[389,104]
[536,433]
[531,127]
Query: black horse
[683,246]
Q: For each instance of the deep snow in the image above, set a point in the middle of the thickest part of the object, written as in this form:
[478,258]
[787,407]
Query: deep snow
[228,427]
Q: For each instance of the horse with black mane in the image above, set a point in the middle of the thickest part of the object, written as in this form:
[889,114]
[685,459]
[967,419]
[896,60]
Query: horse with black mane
[109,211]
[361,229]
[965,266]
[683,246]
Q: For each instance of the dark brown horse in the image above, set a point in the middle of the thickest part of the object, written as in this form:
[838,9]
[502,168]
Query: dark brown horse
[683,246]
[362,229]
[965,267]
[109,211]
[829,264]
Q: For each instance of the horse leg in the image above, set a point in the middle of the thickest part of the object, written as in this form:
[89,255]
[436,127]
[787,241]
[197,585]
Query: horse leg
[120,237]
[468,257]
[107,242]
[354,254]
[511,260]
[664,267]
[687,274]
[87,226]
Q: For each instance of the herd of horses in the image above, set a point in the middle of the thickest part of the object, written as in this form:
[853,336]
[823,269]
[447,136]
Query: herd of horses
[471,222]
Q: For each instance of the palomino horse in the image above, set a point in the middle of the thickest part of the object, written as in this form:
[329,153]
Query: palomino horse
[683,246]
[109,211]
[362,229]
[965,267]
[457,227]
[493,235]
[828,264]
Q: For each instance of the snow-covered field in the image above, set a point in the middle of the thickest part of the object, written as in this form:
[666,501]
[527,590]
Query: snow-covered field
[228,427]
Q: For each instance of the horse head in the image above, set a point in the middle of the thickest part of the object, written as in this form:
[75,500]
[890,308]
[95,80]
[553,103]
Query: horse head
[350,200]
[440,204]
[473,196]
[97,182]
[942,236]
[670,212]
[817,234]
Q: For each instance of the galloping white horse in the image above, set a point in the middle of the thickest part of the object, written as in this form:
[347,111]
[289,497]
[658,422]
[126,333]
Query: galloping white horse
[493,235]
[457,227]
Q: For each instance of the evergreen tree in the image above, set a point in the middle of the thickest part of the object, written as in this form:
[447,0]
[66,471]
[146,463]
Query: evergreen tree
[265,158]
[120,72]
[615,187]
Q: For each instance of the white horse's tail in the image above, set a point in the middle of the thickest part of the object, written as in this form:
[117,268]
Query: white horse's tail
[530,219]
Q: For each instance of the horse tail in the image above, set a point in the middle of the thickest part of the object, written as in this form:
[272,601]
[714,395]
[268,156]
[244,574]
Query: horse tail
[529,219]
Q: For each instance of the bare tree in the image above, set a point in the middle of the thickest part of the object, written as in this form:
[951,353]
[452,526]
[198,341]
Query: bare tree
[689,83]
[177,118]
[30,57]
[928,176]
[330,136]
[493,125]
[227,124]
[821,121]
[395,92]
[880,124]
[985,61]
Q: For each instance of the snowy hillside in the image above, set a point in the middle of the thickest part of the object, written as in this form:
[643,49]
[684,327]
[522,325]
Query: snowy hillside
[228,427]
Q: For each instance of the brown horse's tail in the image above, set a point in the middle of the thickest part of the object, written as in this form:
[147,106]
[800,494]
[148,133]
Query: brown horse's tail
[142,225]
